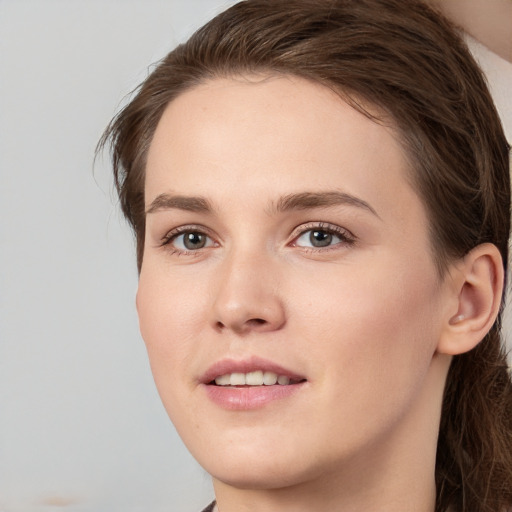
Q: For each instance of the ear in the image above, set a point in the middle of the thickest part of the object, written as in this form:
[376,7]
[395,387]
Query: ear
[476,288]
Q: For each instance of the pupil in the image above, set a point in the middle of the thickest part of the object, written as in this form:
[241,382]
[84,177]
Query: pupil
[320,238]
[194,240]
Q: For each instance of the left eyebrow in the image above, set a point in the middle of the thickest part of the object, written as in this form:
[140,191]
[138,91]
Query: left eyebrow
[310,200]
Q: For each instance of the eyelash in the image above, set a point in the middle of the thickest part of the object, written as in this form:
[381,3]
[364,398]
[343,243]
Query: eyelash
[345,236]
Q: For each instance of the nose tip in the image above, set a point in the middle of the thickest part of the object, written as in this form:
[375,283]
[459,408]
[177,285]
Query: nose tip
[243,322]
[248,299]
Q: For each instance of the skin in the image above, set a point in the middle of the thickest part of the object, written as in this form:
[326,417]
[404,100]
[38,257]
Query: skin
[366,320]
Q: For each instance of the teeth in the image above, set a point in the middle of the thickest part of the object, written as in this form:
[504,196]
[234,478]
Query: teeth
[237,379]
[223,380]
[269,378]
[256,378]
[283,380]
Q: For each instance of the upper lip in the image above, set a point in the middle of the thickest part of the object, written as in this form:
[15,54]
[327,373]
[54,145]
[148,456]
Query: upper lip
[254,363]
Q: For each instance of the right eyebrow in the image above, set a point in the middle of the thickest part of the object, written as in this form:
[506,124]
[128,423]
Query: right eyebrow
[188,203]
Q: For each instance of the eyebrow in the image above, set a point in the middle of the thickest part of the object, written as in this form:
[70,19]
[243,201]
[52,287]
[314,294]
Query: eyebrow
[310,200]
[187,203]
[298,201]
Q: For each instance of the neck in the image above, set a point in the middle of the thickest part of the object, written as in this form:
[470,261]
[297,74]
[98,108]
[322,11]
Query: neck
[395,474]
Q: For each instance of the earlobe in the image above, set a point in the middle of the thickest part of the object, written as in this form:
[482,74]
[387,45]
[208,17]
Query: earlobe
[479,280]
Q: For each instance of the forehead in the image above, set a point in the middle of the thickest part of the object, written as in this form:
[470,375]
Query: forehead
[251,137]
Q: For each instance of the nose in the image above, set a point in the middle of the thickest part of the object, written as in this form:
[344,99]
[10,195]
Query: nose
[247,296]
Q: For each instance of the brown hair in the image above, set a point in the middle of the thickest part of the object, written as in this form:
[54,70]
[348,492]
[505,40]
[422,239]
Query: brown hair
[409,62]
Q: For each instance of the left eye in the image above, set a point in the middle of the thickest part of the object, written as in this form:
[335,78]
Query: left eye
[318,238]
[191,241]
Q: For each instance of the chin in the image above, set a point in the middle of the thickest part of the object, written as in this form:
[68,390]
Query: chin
[259,475]
[260,465]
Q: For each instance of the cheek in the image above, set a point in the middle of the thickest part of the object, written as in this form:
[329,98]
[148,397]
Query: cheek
[169,312]
[376,327]
[370,338]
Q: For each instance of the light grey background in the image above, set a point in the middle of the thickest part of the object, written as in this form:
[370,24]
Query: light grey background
[81,425]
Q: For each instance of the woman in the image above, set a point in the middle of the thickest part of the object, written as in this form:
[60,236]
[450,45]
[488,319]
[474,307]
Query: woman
[320,197]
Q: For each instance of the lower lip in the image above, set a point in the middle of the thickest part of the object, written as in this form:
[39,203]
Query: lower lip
[248,398]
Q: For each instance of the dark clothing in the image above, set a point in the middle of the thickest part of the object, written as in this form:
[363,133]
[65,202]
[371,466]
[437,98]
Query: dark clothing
[209,508]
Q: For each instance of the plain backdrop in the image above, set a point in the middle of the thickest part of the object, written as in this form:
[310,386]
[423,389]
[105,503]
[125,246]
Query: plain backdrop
[81,424]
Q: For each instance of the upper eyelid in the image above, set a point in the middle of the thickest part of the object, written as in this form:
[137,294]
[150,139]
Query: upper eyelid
[304,226]
[321,226]
[179,230]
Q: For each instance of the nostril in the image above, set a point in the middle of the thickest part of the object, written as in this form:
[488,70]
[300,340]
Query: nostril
[256,321]
[253,323]
[243,327]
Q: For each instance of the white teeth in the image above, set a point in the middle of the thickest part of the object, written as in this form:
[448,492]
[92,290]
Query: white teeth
[256,378]
[223,380]
[283,380]
[269,378]
[237,379]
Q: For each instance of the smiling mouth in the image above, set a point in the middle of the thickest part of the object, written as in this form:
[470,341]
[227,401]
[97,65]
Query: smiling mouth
[254,378]
[250,384]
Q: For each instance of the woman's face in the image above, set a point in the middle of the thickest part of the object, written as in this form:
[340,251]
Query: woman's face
[284,240]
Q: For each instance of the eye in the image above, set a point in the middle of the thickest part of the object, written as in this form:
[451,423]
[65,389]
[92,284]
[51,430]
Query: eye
[317,238]
[191,240]
[321,236]
[187,240]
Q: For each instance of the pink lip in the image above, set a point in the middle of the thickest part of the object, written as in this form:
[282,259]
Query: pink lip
[248,398]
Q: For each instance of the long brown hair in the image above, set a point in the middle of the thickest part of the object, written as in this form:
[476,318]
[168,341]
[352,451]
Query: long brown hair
[410,62]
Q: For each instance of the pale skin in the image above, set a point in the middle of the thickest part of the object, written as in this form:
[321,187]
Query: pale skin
[251,167]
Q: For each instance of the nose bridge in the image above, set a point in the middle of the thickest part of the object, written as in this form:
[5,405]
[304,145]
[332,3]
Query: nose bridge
[247,295]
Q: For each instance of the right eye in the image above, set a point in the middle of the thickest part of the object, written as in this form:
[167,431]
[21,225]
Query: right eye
[187,240]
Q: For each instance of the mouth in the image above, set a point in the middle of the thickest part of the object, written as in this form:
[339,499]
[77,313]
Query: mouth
[254,378]
[253,371]
[249,384]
